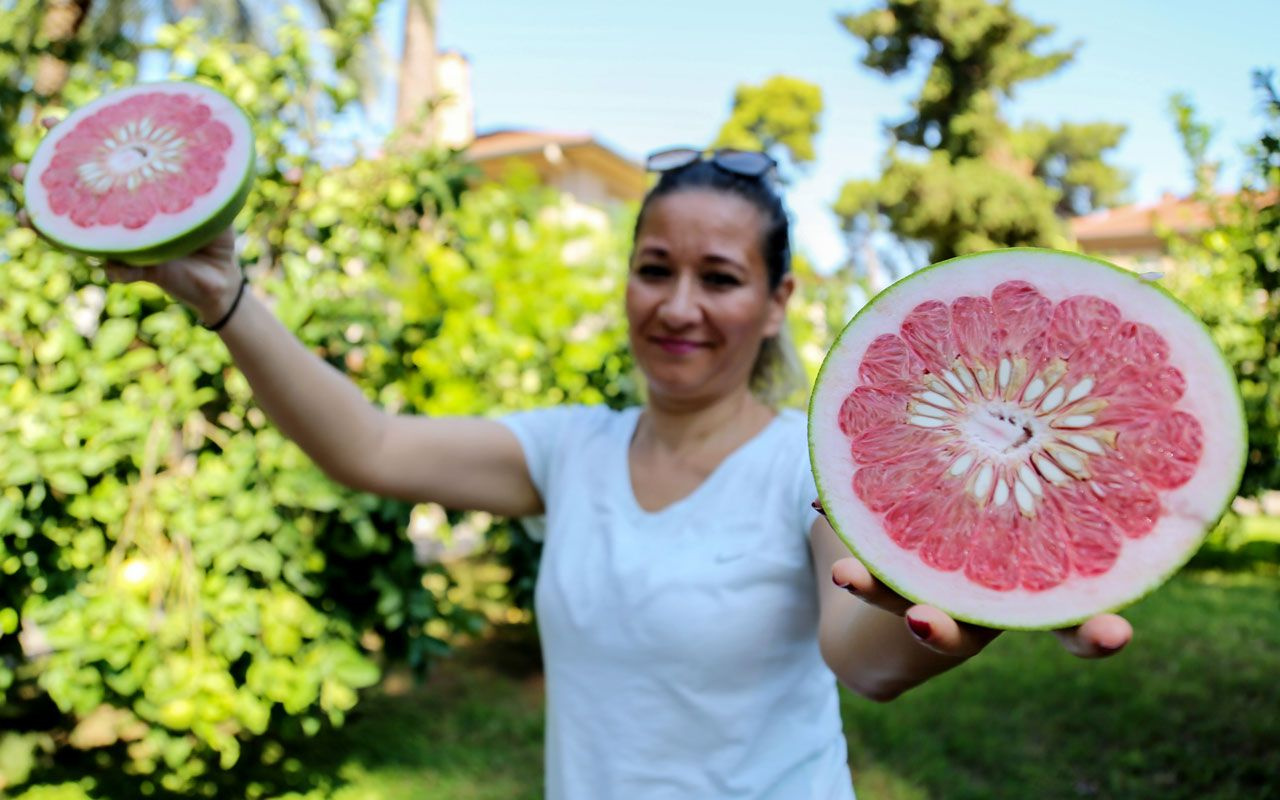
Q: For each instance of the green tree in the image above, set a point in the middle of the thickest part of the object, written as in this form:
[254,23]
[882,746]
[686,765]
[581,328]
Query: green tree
[1229,275]
[780,116]
[201,588]
[75,31]
[958,177]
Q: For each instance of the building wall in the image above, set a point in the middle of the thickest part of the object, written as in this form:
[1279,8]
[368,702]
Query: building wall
[584,186]
[455,116]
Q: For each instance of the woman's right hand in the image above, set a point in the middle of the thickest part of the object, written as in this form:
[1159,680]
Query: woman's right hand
[207,280]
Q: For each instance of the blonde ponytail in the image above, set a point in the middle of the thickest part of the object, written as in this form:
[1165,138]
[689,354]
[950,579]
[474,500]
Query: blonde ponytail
[777,373]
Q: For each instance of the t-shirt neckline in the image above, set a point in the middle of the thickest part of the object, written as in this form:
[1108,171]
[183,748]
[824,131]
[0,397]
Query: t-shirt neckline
[671,509]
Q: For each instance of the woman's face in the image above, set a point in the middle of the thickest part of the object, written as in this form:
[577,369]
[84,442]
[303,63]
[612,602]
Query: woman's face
[698,296]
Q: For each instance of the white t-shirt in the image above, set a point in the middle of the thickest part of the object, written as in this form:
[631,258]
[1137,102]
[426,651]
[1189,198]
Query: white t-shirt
[680,646]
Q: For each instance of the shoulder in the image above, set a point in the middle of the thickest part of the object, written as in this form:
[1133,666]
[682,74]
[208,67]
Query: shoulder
[569,413]
[795,422]
[783,447]
[556,425]
[774,474]
[793,450]
[793,434]
[564,440]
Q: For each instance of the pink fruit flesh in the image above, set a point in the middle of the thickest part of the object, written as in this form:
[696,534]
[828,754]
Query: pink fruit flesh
[149,154]
[1045,434]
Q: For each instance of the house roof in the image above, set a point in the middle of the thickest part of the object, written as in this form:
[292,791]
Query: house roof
[496,144]
[1140,226]
[553,152]
[1179,214]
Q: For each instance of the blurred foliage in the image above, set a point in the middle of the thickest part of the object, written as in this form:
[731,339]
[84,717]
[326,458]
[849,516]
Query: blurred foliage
[183,592]
[958,177]
[780,116]
[1229,274]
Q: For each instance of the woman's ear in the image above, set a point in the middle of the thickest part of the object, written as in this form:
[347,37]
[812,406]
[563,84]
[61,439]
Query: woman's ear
[777,313]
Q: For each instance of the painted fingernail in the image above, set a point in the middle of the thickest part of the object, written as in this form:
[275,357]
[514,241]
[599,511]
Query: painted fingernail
[848,587]
[817,506]
[919,627]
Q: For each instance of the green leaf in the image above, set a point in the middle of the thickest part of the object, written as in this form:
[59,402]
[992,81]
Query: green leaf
[113,337]
[72,483]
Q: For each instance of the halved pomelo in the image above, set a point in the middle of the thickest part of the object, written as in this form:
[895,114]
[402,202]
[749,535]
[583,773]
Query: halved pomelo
[1025,438]
[142,174]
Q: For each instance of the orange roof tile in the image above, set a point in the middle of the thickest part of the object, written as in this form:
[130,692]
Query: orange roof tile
[511,142]
[1177,214]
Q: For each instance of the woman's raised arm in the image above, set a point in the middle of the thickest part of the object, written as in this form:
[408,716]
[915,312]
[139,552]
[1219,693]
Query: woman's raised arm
[463,463]
[459,462]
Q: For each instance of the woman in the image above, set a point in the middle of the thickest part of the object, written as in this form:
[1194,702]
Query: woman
[690,600]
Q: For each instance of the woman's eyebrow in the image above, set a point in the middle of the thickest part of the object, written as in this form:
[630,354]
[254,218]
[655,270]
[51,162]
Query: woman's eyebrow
[719,258]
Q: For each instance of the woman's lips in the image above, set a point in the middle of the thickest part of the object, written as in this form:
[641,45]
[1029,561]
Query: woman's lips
[676,346]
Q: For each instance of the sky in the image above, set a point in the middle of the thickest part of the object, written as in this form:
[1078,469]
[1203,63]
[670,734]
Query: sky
[641,76]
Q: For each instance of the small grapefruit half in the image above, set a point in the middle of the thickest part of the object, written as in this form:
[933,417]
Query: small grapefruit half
[142,174]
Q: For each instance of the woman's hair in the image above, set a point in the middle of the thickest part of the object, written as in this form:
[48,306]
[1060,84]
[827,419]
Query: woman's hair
[777,372]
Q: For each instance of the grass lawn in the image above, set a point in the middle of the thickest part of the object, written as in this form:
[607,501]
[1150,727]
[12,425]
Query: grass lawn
[1190,710]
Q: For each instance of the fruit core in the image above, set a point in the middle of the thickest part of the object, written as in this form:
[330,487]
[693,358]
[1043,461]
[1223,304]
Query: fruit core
[1007,443]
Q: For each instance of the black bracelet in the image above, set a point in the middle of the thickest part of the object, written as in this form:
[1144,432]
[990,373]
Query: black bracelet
[244,281]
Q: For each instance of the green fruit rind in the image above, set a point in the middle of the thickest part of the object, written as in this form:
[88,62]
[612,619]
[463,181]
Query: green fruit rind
[850,540]
[182,242]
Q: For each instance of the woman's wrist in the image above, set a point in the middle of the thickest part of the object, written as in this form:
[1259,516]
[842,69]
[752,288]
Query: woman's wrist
[217,317]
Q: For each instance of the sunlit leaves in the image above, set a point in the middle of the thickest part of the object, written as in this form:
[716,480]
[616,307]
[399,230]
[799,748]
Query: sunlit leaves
[1229,275]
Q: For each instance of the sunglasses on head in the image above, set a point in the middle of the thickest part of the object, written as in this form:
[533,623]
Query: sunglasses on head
[747,163]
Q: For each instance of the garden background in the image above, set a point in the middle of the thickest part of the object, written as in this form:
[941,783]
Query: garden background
[188,608]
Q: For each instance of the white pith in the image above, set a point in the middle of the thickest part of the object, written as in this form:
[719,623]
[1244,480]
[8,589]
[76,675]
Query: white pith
[137,152]
[132,155]
[1064,437]
[1006,432]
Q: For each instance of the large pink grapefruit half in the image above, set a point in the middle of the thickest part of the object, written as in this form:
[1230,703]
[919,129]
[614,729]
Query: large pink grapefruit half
[142,174]
[1025,438]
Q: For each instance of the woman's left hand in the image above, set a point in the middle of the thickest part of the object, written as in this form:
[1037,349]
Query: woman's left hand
[1098,637]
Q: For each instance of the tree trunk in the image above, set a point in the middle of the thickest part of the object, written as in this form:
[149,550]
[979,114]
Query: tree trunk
[61,23]
[417,84]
